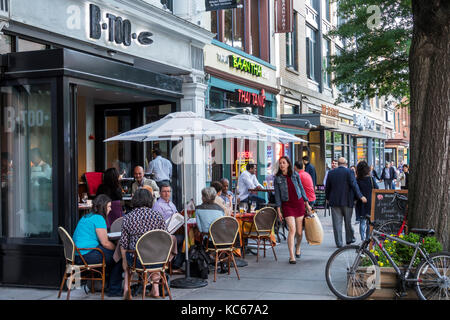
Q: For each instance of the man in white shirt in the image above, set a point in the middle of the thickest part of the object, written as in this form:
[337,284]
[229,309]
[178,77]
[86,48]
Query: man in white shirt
[247,180]
[161,168]
[334,165]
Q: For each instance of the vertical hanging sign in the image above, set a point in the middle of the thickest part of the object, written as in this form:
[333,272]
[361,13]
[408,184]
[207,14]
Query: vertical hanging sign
[284,14]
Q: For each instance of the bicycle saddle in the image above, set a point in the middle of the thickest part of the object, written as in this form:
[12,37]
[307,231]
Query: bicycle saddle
[423,232]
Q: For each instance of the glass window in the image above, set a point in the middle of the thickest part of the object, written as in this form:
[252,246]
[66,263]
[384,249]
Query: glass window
[327,10]
[27,176]
[326,62]
[234,28]
[214,23]
[311,51]
[291,46]
[216,99]
[25,45]
[254,28]
[5,44]
[338,152]
[168,4]
[338,138]
[290,109]
[328,137]
[314,4]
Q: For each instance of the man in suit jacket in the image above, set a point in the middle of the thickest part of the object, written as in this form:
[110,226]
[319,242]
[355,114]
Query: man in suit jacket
[340,192]
[388,175]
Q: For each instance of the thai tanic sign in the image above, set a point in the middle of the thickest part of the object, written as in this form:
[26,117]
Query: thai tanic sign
[211,5]
[257,100]
[284,14]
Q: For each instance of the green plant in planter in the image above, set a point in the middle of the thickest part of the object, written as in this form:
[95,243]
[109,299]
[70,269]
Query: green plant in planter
[402,254]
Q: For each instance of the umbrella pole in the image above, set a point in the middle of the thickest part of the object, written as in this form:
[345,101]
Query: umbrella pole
[187,282]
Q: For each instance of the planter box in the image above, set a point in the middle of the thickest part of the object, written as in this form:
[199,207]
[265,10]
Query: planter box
[388,284]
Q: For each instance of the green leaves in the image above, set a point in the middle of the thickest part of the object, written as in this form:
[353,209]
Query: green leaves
[377,37]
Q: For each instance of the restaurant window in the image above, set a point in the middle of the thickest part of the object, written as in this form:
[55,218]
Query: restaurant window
[311,53]
[214,23]
[234,28]
[291,46]
[361,149]
[27,166]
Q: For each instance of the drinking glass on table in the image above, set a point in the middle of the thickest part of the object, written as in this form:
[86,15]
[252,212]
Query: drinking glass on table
[253,206]
[265,184]
[84,197]
[241,208]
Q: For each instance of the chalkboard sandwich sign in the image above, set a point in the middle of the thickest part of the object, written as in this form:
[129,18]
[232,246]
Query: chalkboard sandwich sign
[382,209]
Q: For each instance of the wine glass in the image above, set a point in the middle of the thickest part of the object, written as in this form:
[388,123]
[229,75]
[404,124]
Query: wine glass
[241,208]
[265,184]
[125,189]
[253,206]
[84,197]
[245,204]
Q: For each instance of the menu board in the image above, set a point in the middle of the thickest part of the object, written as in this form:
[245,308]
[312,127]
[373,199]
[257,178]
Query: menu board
[320,197]
[383,209]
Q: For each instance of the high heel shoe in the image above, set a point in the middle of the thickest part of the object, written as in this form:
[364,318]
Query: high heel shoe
[297,255]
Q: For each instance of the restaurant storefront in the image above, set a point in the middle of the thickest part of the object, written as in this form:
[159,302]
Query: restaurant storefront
[67,84]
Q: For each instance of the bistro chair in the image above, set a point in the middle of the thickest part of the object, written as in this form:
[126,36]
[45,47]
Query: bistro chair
[116,226]
[93,181]
[223,233]
[264,222]
[153,251]
[71,268]
[116,213]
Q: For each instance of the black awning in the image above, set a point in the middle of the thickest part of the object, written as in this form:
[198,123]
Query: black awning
[66,62]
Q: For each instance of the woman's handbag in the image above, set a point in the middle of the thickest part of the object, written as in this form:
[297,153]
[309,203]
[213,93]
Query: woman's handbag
[313,230]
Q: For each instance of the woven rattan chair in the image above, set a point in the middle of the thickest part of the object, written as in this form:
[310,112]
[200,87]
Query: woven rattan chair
[223,233]
[153,251]
[71,268]
[116,226]
[264,222]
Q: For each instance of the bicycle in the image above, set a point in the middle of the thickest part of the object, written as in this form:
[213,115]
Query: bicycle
[352,272]
[395,226]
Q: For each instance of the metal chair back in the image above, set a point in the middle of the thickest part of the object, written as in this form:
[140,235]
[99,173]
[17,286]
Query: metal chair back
[116,225]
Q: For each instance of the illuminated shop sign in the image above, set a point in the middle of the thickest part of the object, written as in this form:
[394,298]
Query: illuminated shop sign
[118,30]
[328,111]
[254,99]
[245,65]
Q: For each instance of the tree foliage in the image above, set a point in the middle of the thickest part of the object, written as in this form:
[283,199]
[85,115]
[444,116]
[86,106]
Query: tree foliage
[377,37]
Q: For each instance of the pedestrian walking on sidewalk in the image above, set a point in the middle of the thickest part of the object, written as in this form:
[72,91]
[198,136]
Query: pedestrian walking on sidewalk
[388,176]
[366,184]
[290,197]
[340,193]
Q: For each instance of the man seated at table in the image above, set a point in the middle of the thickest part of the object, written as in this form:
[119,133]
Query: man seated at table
[208,211]
[226,193]
[166,208]
[142,181]
[248,180]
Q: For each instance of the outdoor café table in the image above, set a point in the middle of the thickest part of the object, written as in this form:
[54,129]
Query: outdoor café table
[84,207]
[261,190]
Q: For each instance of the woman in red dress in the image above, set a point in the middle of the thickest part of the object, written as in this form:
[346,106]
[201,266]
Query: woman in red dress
[291,199]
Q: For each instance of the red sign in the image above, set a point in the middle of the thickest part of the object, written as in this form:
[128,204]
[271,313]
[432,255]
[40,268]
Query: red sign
[284,15]
[246,97]
[245,154]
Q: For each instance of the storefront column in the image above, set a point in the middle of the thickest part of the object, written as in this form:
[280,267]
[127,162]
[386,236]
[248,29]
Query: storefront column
[195,155]
[370,151]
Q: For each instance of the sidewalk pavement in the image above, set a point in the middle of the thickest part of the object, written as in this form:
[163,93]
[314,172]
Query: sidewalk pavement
[264,280]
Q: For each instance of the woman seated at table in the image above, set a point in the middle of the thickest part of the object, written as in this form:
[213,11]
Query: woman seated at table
[208,211]
[111,185]
[226,206]
[91,233]
[137,222]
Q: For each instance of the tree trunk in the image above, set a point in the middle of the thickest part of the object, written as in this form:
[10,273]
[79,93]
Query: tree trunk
[429,63]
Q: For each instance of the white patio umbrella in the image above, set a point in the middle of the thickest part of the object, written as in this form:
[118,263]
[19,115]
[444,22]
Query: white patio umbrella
[179,126]
[253,126]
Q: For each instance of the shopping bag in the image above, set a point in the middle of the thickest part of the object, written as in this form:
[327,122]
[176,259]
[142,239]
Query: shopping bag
[313,230]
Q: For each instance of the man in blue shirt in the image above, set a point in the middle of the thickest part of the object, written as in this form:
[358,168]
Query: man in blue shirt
[161,168]
[310,169]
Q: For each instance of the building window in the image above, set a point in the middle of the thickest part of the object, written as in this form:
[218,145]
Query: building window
[291,46]
[214,24]
[311,53]
[234,28]
[290,109]
[5,44]
[326,62]
[27,166]
[255,26]
[168,4]
[314,4]
[366,104]
[327,10]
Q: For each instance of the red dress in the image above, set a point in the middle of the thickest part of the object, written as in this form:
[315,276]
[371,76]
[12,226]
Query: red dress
[294,207]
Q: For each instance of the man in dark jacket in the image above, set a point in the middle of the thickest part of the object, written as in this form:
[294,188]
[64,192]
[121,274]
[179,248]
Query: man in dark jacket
[310,169]
[340,192]
[388,175]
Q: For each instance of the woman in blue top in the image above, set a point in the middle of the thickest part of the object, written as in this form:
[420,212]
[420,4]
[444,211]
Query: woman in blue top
[91,233]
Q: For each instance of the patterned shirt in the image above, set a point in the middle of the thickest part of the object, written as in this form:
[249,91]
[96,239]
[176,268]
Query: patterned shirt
[136,223]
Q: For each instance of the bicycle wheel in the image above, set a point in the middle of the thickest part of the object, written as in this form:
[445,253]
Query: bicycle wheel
[429,285]
[392,227]
[351,273]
